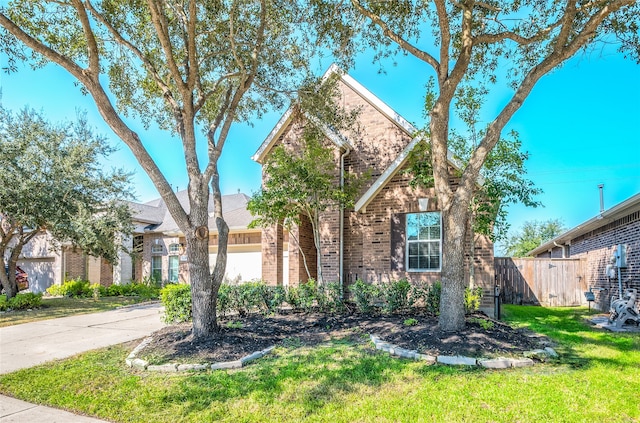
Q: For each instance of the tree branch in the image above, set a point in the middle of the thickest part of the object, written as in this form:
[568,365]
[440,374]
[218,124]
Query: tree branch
[395,37]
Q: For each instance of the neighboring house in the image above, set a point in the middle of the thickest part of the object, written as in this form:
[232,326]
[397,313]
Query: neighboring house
[393,232]
[596,241]
[160,245]
[159,248]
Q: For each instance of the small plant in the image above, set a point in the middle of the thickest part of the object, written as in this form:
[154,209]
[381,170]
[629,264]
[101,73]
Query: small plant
[472,298]
[396,295]
[176,299]
[432,298]
[97,291]
[307,294]
[364,296]
[272,298]
[234,325]
[483,323]
[329,297]
[410,322]
[292,297]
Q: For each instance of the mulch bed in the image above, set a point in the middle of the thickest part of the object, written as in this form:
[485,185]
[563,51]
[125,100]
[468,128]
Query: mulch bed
[241,336]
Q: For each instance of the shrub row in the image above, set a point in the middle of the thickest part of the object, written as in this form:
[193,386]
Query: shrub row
[393,297]
[401,295]
[23,301]
[81,289]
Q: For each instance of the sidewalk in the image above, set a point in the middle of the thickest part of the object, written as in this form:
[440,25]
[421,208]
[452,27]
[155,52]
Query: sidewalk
[30,344]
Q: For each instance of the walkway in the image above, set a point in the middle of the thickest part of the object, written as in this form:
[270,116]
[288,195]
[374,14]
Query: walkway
[30,344]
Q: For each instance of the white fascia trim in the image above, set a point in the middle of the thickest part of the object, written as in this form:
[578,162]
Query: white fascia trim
[273,136]
[381,106]
[386,176]
[384,108]
[618,211]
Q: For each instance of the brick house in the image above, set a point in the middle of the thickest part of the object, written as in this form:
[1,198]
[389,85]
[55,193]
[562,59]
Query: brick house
[596,241]
[159,248]
[394,231]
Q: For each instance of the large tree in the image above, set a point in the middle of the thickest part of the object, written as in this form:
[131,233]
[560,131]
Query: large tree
[193,67]
[479,44]
[51,180]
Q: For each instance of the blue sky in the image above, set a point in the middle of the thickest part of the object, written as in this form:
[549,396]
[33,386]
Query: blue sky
[580,126]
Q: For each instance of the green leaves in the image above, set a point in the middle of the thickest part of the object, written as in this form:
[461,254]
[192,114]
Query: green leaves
[52,179]
[531,235]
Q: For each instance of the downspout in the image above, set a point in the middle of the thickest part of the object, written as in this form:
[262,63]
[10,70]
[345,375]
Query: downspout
[564,251]
[341,224]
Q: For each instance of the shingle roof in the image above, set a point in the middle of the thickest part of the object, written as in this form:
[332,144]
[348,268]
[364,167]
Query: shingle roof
[234,211]
[628,206]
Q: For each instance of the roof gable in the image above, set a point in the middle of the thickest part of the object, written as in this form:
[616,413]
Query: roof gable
[396,164]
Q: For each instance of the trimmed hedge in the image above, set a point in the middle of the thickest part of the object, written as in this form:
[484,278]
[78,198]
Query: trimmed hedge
[23,301]
[257,296]
[79,288]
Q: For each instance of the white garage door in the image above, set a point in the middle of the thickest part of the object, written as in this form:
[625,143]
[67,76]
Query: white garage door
[39,272]
[243,265]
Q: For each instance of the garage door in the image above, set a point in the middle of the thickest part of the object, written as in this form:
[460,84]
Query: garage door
[39,272]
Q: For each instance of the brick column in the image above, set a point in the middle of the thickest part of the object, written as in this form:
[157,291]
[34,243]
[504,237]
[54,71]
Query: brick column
[272,245]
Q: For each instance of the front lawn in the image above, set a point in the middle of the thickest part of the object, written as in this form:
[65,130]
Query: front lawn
[54,307]
[596,379]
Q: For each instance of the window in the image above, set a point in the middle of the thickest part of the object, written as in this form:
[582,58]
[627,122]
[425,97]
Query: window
[156,249]
[173,268]
[174,248]
[156,268]
[424,238]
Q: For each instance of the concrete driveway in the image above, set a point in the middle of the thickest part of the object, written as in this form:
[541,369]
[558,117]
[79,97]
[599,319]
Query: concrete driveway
[30,344]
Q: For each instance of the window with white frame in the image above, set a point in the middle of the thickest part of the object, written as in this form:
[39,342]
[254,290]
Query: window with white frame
[156,249]
[156,268]
[424,241]
[174,248]
[174,262]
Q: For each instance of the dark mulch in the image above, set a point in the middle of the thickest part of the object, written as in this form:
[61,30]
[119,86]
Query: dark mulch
[240,336]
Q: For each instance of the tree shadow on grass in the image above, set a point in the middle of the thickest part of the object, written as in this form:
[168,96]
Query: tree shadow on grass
[310,378]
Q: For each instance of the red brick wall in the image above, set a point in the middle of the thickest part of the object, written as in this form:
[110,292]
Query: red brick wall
[272,248]
[75,264]
[376,142]
[106,273]
[599,245]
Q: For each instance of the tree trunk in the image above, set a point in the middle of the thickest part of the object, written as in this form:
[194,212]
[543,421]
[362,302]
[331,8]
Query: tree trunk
[8,281]
[204,321]
[453,284]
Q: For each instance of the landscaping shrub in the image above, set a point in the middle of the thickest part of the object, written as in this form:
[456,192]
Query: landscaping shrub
[307,295]
[72,288]
[292,297]
[396,295]
[245,297]
[176,299]
[329,297]
[223,305]
[472,298]
[432,298]
[364,295]
[22,301]
[272,298]
[249,296]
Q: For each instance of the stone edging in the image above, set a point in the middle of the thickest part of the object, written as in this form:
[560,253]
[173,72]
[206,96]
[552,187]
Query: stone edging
[137,363]
[494,363]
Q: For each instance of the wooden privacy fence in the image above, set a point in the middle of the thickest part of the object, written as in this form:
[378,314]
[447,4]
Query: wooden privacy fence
[541,281]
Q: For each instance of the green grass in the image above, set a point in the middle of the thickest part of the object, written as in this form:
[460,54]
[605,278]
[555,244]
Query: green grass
[596,379]
[53,308]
